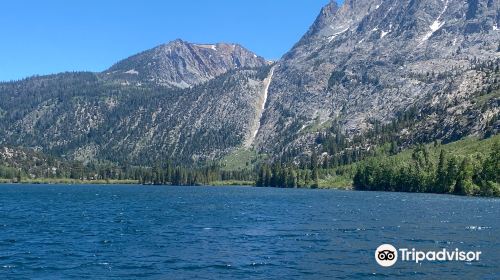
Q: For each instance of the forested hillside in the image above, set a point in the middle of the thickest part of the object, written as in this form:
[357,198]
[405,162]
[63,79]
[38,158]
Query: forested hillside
[82,117]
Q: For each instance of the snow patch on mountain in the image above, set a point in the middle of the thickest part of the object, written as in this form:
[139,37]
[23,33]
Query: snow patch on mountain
[437,24]
[132,72]
[332,37]
[384,33]
[212,47]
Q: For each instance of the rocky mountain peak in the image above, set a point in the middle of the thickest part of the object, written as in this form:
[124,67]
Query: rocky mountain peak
[368,61]
[182,64]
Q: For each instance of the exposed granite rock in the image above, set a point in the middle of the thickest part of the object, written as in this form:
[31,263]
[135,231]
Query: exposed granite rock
[182,64]
[370,60]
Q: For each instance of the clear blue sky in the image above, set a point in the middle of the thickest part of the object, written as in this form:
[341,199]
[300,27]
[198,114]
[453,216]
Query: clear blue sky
[50,36]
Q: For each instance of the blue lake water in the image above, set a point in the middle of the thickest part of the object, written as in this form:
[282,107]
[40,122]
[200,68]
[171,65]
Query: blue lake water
[129,232]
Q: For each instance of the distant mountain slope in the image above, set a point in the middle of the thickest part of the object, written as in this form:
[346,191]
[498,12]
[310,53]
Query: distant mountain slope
[182,64]
[110,116]
[370,61]
[14,161]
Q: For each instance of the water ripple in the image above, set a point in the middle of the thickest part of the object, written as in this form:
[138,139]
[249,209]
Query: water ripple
[128,232]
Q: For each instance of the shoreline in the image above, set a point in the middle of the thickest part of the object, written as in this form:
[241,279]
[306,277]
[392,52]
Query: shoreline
[230,183]
[74,182]
[69,182]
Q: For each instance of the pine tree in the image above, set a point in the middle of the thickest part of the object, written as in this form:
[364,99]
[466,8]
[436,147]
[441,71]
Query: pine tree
[268,177]
[77,170]
[451,174]
[307,178]
[491,166]
[464,185]
[315,177]
[359,178]
[291,178]
[490,175]
[440,182]
[394,148]
[19,176]
[155,176]
[314,160]
[274,176]
[261,178]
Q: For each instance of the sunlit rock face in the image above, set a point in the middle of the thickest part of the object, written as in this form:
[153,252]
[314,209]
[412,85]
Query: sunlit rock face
[369,61]
[182,64]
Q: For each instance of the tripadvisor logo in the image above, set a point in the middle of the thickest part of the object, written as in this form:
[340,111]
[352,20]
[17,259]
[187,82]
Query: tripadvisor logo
[387,255]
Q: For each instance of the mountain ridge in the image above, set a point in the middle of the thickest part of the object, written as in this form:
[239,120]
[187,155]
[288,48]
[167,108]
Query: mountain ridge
[367,62]
[182,64]
[418,71]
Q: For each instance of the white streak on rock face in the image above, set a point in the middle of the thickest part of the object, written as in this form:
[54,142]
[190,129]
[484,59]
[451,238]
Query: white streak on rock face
[257,122]
[132,72]
[332,37]
[384,33]
[437,24]
[495,27]
[212,47]
[266,94]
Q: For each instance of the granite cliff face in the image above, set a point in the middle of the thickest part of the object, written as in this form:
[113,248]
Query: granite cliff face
[369,61]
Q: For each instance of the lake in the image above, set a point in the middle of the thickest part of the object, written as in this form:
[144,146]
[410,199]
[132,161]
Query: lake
[162,232]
